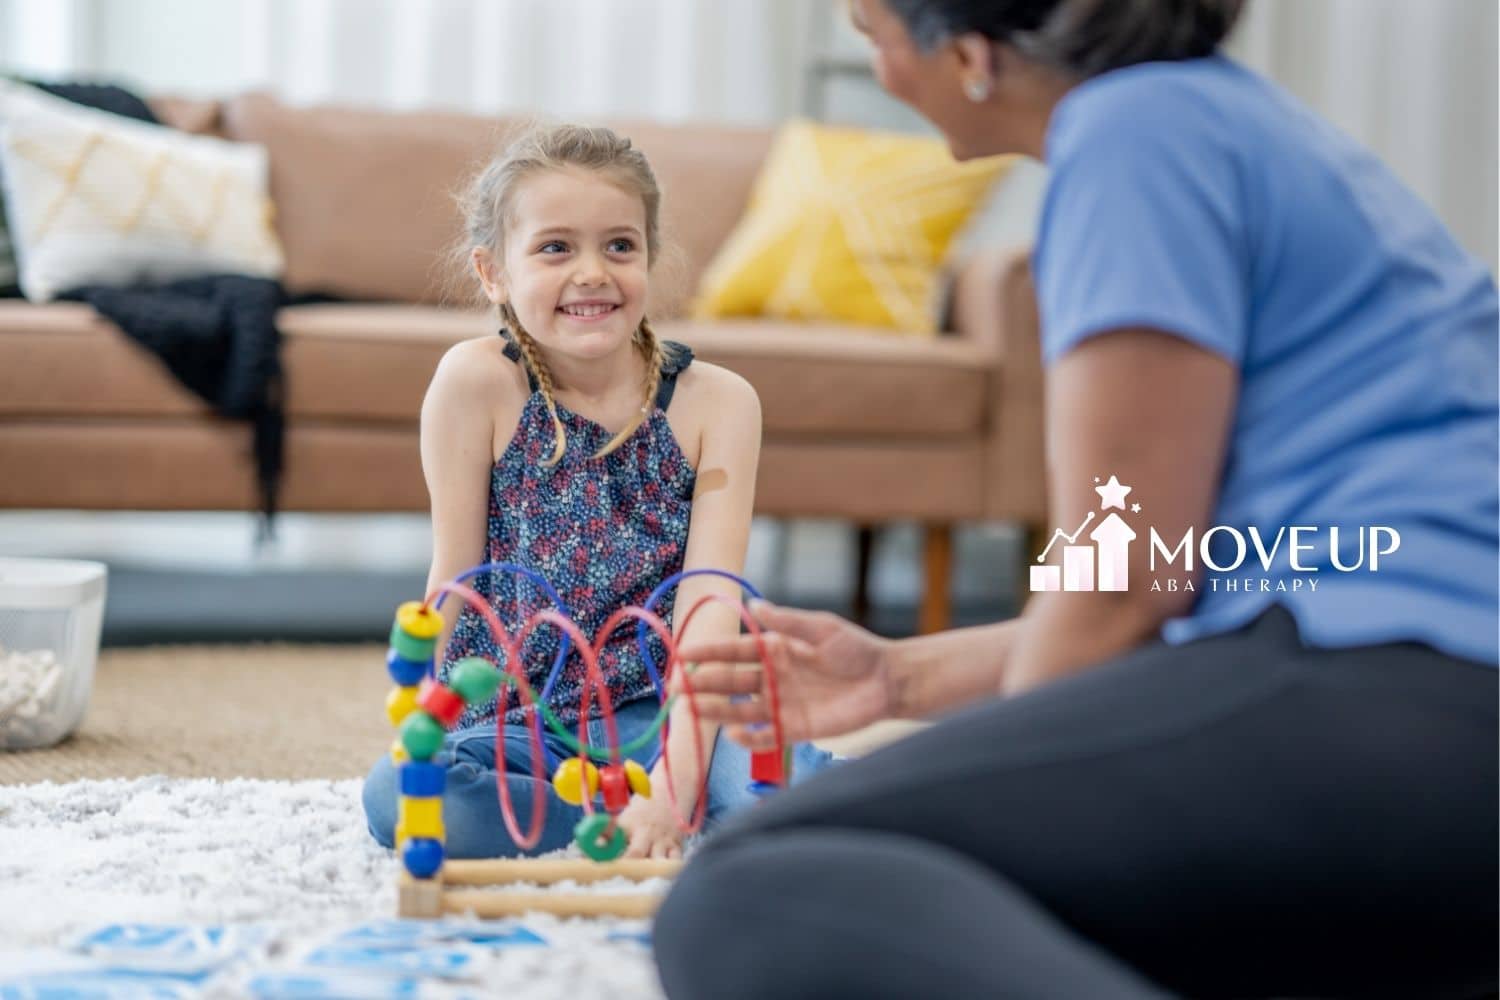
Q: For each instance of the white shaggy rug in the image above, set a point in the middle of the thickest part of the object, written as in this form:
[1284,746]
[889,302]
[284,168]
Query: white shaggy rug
[263,889]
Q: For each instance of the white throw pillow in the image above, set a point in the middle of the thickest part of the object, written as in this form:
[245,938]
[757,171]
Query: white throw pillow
[94,198]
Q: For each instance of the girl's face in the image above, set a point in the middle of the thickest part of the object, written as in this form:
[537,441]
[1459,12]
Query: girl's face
[575,263]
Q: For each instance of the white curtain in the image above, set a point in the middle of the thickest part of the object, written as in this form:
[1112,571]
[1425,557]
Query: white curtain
[725,60]
[1414,80]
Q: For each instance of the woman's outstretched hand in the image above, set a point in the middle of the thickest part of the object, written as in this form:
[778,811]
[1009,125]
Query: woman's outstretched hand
[832,677]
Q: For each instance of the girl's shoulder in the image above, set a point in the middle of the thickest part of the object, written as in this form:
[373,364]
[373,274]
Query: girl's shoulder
[709,396]
[703,380]
[476,378]
[479,363]
[480,367]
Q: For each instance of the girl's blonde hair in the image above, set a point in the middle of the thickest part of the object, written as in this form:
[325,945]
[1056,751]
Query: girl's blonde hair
[487,204]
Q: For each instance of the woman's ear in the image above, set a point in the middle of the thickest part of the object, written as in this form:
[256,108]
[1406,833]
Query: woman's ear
[489,274]
[977,66]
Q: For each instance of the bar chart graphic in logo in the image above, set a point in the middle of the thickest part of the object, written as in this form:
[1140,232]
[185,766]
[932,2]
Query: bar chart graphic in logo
[1101,564]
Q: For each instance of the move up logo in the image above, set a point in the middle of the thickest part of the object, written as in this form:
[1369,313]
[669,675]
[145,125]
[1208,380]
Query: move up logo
[1100,560]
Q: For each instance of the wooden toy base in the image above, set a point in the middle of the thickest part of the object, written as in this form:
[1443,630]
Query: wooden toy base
[433,897]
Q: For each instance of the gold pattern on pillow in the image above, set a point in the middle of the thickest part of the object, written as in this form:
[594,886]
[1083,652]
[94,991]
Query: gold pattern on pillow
[95,198]
[170,201]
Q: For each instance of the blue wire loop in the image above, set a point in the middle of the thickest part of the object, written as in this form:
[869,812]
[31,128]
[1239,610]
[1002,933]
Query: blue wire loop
[642,631]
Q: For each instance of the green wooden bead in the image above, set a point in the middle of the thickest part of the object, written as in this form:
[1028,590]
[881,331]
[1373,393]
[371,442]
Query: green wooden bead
[422,735]
[586,835]
[409,647]
[475,678]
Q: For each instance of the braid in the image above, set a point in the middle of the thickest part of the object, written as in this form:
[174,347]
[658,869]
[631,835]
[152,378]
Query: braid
[543,376]
[650,348]
[656,358]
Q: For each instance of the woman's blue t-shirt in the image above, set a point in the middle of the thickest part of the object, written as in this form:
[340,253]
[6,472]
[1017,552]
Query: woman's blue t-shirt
[1199,199]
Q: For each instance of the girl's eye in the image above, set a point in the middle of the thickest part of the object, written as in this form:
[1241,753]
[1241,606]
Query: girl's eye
[553,246]
[621,245]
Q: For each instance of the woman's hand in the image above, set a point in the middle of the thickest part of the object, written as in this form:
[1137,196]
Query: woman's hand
[831,677]
[652,828]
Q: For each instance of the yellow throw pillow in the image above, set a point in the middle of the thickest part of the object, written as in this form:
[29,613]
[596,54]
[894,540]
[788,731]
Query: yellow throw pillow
[846,225]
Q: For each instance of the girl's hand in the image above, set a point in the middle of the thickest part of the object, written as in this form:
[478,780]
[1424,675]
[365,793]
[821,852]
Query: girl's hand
[832,677]
[652,828]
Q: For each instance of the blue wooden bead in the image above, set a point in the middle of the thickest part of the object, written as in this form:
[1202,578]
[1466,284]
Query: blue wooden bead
[422,856]
[422,780]
[406,672]
[762,788]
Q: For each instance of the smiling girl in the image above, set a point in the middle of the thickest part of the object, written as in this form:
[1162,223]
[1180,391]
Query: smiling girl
[579,444]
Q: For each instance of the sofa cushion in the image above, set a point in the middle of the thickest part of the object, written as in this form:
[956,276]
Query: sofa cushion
[197,116]
[62,359]
[364,199]
[823,378]
[394,348]
[169,464]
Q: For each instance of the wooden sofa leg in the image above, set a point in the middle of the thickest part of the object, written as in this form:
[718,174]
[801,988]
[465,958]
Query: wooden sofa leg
[864,543]
[937,577]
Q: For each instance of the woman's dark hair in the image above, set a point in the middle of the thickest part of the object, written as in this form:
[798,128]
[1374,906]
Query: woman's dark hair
[1080,37]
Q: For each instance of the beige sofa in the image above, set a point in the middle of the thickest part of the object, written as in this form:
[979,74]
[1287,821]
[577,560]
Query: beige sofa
[858,424]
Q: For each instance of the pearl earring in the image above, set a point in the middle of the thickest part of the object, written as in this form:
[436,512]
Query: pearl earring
[977,91]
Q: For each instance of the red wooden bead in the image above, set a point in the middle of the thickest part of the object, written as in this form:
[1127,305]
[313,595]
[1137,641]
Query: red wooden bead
[614,786]
[441,702]
[768,766]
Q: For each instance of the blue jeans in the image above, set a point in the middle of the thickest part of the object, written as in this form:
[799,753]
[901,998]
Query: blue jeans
[471,801]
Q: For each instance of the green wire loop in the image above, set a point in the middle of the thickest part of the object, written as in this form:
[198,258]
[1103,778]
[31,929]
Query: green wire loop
[602,756]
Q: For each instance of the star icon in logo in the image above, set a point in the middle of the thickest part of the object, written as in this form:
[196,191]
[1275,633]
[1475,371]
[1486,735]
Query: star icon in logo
[1135,508]
[1112,494]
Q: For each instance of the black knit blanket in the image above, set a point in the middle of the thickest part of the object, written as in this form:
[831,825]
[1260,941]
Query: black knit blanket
[217,334]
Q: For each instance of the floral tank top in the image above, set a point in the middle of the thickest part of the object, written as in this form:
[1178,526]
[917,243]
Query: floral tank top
[603,531]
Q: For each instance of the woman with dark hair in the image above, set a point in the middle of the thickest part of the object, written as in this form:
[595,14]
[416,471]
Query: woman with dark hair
[1271,774]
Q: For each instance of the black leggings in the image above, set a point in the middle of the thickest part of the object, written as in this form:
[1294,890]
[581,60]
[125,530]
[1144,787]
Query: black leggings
[1242,816]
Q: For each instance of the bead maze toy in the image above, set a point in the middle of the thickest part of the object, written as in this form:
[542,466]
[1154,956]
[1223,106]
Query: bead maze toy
[601,780]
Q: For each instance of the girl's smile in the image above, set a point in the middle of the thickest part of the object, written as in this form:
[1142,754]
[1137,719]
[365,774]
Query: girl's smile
[588,310]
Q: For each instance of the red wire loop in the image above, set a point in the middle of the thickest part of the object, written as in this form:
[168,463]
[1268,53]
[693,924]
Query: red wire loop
[694,822]
[513,667]
[589,650]
[773,693]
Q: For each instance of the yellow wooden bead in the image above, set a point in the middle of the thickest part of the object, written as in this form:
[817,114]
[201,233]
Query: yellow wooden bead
[419,622]
[566,781]
[419,818]
[640,781]
[399,753]
[400,703]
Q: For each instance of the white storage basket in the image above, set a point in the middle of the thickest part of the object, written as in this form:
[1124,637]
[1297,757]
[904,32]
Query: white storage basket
[51,612]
